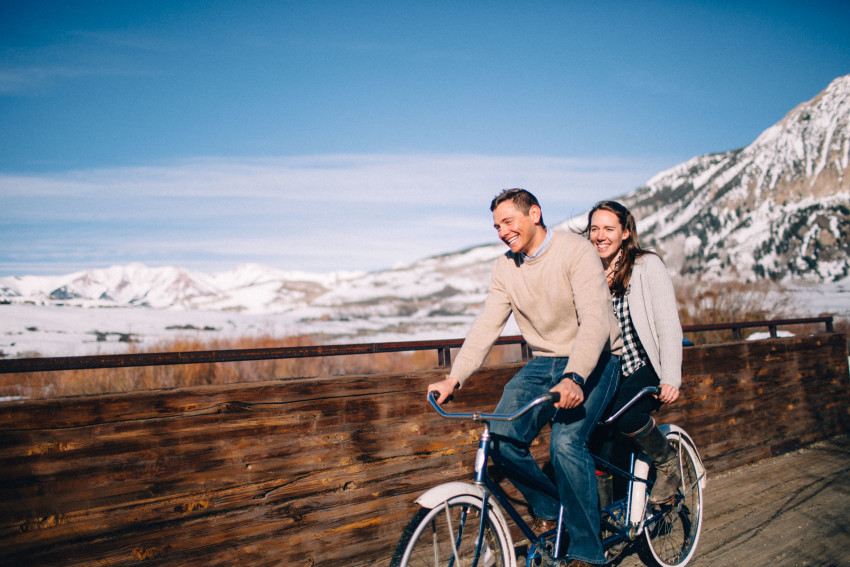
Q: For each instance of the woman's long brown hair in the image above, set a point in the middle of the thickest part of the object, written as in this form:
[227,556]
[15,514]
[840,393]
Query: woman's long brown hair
[630,250]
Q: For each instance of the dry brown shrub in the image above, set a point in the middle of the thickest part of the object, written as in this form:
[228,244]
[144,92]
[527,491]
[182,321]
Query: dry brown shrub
[702,303]
[37,385]
[699,303]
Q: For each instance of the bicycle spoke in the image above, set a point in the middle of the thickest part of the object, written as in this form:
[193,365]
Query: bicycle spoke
[455,555]
[450,536]
[672,533]
[436,540]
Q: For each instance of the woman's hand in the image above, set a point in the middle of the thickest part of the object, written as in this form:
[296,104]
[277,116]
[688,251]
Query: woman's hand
[445,388]
[668,394]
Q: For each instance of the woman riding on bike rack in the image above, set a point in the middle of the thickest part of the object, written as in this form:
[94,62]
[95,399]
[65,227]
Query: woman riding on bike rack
[645,306]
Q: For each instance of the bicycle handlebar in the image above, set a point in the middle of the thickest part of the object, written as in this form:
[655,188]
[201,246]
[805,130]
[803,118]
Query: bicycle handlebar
[648,390]
[552,397]
[478,416]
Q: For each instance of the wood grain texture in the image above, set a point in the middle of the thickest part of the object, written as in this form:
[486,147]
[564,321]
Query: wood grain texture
[326,470]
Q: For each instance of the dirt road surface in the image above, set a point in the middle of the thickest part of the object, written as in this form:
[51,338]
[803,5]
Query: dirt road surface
[787,511]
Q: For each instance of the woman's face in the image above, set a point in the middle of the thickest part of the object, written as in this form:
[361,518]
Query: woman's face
[607,234]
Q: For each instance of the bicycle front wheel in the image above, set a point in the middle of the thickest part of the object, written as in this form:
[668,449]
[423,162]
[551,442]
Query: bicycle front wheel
[448,535]
[672,539]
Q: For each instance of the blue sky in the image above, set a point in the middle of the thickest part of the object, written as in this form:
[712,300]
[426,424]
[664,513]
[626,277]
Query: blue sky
[328,136]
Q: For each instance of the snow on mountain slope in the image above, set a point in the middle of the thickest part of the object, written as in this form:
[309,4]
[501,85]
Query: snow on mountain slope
[250,287]
[778,209]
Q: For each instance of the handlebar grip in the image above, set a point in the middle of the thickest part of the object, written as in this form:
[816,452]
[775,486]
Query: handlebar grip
[555,397]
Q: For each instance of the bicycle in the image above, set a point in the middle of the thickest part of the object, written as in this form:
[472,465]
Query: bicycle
[462,524]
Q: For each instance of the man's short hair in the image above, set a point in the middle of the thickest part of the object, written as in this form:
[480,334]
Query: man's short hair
[522,199]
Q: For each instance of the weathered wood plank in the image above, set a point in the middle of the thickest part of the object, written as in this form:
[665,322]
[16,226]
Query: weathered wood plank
[326,470]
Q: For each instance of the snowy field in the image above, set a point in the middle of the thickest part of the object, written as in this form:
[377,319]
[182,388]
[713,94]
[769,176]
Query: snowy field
[831,298]
[35,330]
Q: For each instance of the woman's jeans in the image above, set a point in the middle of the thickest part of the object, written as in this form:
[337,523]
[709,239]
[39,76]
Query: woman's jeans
[573,466]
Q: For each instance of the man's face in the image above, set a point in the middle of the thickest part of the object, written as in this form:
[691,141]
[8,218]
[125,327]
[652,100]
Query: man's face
[518,230]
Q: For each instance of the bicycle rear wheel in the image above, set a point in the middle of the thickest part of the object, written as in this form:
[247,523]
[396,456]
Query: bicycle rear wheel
[447,535]
[672,539]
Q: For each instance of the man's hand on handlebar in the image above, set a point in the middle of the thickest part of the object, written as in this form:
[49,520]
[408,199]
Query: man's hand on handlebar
[571,394]
[444,388]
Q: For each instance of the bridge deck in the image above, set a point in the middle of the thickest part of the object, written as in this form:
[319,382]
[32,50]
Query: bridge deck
[784,511]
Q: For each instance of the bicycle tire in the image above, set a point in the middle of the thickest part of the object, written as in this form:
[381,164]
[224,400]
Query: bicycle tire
[672,540]
[427,539]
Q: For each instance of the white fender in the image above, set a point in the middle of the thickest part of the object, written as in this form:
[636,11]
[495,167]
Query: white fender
[667,429]
[439,494]
[444,492]
[637,503]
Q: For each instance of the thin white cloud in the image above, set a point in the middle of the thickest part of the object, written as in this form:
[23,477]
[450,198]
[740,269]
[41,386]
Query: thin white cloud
[358,178]
[321,213]
[132,40]
[24,79]
[75,55]
[27,80]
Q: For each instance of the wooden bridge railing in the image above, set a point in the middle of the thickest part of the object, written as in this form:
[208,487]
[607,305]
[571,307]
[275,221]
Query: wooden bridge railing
[325,471]
[443,348]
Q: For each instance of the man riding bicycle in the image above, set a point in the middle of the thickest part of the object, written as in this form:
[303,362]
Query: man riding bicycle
[554,286]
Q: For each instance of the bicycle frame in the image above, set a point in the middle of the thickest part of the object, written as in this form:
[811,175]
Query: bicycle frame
[630,511]
[483,455]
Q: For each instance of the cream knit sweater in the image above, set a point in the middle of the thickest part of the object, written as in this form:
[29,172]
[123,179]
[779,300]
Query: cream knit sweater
[560,301]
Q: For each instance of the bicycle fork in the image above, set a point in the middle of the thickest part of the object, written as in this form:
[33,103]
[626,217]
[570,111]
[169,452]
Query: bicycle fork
[480,551]
[489,487]
[481,457]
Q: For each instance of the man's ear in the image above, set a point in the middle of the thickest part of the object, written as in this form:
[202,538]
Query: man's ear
[535,213]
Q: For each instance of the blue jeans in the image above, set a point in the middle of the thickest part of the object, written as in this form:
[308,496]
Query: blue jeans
[573,466]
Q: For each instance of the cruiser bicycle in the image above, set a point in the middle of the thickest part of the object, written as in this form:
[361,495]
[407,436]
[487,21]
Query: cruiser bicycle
[463,524]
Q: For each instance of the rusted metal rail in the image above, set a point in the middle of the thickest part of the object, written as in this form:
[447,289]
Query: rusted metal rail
[772,325]
[443,348]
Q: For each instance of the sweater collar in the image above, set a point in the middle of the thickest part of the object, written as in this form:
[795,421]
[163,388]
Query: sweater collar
[546,240]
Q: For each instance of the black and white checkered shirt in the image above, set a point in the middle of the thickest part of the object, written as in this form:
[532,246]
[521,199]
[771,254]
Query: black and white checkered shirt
[633,354]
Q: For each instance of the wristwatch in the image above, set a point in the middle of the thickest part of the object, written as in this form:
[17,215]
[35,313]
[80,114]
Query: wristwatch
[575,378]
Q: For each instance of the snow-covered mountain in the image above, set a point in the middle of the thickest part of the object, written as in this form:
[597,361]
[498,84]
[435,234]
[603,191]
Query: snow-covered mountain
[250,287]
[778,209]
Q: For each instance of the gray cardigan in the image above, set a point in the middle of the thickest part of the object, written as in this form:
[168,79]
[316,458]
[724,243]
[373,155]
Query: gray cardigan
[652,306]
